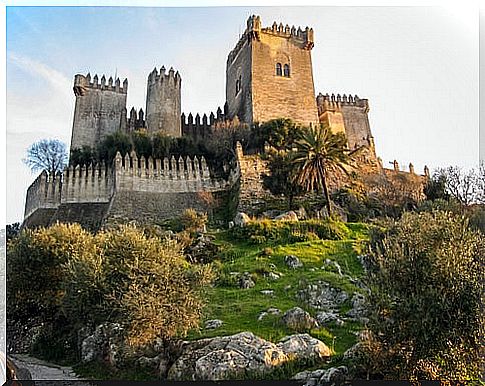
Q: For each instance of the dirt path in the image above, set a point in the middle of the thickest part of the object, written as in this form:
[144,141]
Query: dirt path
[41,371]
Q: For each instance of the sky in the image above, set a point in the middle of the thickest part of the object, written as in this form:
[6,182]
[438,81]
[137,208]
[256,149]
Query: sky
[418,66]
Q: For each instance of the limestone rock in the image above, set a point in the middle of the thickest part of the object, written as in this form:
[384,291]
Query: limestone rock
[227,357]
[358,311]
[241,219]
[105,344]
[323,318]
[299,320]
[333,265]
[331,376]
[149,364]
[293,262]
[321,296]
[287,216]
[269,311]
[245,281]
[273,276]
[267,292]
[304,347]
[213,324]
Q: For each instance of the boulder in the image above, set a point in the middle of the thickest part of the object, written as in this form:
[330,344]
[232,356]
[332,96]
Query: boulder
[241,219]
[287,216]
[228,357]
[304,347]
[298,319]
[273,276]
[105,344]
[267,292]
[293,262]
[321,296]
[213,324]
[331,376]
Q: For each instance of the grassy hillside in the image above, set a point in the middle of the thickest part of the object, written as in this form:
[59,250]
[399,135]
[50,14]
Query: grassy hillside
[239,308]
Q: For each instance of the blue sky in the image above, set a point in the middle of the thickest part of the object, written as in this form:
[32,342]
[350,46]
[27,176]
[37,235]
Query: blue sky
[418,66]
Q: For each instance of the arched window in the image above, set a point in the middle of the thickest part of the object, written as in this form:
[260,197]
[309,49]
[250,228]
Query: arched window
[278,69]
[286,70]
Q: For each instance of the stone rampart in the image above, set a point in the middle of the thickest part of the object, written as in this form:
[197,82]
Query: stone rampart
[43,193]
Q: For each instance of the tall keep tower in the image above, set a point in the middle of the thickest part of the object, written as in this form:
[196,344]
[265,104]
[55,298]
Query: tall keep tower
[100,109]
[269,74]
[163,102]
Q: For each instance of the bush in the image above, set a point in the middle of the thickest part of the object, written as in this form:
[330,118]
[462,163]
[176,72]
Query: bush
[119,275]
[288,232]
[425,306]
[193,221]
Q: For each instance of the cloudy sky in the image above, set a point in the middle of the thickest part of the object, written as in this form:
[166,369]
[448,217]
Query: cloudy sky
[418,66]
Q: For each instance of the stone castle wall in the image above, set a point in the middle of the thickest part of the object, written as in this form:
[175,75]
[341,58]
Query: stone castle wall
[133,188]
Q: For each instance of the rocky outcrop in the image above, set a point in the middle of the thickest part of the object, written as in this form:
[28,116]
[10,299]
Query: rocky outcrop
[241,355]
[322,296]
[331,376]
[298,319]
[287,216]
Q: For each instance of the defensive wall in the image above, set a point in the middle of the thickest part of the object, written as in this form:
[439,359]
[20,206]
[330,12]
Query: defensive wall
[132,188]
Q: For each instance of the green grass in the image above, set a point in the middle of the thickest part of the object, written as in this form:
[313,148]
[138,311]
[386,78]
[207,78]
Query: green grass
[240,308]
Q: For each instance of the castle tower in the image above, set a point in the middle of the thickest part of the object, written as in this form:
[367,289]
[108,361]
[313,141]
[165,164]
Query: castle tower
[163,102]
[100,109]
[269,74]
[348,114]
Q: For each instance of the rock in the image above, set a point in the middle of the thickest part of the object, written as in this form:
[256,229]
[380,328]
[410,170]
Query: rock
[353,351]
[304,347]
[226,357]
[241,219]
[321,296]
[287,216]
[163,367]
[299,320]
[269,311]
[267,292]
[358,311]
[335,374]
[273,276]
[246,281]
[331,376]
[149,364]
[213,324]
[105,344]
[323,318]
[293,262]
[230,224]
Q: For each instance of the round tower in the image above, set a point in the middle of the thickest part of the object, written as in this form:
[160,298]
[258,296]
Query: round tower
[163,102]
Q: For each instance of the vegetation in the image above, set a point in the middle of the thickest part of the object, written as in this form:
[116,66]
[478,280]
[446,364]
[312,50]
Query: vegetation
[74,279]
[427,288]
[46,154]
[318,149]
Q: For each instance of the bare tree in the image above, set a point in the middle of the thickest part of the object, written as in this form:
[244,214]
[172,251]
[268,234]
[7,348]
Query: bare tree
[47,154]
[465,187]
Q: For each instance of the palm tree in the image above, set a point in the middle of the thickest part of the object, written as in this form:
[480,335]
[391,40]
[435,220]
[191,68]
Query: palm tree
[316,150]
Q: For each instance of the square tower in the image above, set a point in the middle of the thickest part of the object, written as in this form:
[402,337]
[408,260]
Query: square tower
[269,75]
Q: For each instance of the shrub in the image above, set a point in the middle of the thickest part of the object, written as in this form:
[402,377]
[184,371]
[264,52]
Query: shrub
[192,221]
[425,314]
[287,232]
[119,275]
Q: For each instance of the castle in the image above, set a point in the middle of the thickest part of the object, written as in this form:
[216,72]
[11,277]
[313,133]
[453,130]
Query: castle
[268,75]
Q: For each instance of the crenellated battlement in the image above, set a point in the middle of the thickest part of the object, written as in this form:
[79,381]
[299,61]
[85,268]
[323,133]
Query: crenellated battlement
[201,126]
[172,77]
[136,120]
[82,83]
[334,102]
[253,31]
[43,193]
[87,183]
